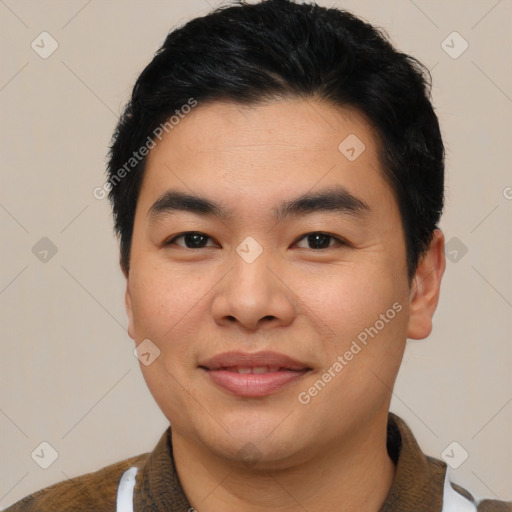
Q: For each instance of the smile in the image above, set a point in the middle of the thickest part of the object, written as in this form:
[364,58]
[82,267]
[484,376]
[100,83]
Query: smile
[253,375]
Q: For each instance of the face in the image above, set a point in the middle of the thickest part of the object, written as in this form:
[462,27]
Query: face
[268,268]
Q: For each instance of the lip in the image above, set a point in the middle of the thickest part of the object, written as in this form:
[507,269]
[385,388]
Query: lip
[281,370]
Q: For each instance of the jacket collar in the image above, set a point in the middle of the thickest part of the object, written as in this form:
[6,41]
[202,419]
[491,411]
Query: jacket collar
[419,479]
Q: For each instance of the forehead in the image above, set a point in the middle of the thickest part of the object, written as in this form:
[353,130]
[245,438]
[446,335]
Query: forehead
[259,155]
[288,124]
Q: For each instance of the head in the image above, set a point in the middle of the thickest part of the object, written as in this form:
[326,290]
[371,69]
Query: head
[276,182]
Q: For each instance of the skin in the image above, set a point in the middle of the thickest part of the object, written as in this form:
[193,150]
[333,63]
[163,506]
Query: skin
[295,299]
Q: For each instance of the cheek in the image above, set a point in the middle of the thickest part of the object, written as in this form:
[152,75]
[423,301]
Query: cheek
[373,335]
[350,300]
[160,301]
[367,320]
[165,309]
[170,308]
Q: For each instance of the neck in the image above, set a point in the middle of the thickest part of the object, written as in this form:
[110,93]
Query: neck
[355,474]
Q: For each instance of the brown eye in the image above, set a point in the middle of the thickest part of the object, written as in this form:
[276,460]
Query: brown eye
[320,241]
[190,240]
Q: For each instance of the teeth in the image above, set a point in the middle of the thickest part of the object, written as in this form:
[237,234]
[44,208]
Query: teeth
[256,369]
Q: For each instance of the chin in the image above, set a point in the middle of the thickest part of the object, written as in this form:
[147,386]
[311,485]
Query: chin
[255,442]
[257,455]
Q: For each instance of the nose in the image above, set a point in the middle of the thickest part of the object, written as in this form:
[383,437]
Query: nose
[253,295]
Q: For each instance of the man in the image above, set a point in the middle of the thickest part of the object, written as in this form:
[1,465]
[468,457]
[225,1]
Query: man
[276,182]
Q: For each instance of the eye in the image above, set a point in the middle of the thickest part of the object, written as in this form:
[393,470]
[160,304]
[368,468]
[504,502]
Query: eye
[320,240]
[198,240]
[190,240]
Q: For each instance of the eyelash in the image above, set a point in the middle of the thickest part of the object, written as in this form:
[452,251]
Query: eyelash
[339,241]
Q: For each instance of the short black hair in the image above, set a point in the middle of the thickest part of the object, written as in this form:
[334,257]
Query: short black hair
[277,49]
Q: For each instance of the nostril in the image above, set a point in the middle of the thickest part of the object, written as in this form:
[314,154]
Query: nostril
[231,318]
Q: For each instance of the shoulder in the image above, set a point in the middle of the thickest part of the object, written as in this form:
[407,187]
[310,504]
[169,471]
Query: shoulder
[494,506]
[92,491]
[485,505]
[424,479]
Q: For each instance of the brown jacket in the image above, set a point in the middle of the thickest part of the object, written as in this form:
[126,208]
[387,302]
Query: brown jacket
[417,487]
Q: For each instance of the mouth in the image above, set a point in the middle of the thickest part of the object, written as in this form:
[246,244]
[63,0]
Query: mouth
[253,375]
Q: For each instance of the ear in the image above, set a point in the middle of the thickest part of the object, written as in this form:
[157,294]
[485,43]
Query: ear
[129,310]
[425,288]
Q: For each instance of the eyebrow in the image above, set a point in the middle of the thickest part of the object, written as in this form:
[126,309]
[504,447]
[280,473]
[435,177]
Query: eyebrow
[337,199]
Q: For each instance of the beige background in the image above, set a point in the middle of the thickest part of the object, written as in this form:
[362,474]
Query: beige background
[68,375]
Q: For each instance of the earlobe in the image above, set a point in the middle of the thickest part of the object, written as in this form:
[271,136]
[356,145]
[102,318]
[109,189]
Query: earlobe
[426,287]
